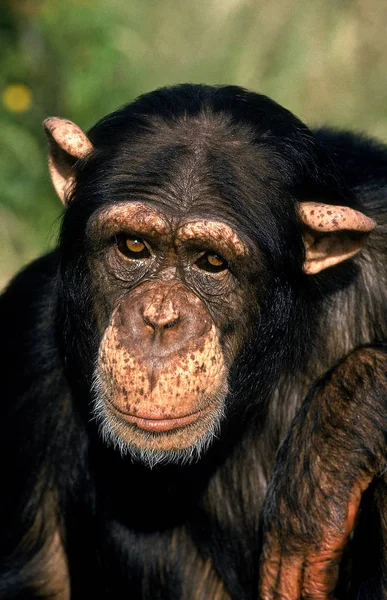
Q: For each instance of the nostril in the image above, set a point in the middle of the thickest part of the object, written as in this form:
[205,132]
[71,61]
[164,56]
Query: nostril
[160,316]
[149,323]
[160,325]
[171,323]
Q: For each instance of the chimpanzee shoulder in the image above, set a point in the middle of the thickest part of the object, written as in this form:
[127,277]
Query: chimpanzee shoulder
[27,315]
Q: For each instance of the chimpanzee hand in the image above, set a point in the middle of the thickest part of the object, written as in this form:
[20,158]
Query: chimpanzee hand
[335,447]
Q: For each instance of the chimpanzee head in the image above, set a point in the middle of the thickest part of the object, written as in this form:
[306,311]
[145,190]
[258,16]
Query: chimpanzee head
[193,215]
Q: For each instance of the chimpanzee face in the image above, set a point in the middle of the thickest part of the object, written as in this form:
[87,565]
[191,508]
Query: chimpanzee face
[175,310]
[178,268]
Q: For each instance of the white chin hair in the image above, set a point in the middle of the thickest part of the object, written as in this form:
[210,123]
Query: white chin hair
[149,457]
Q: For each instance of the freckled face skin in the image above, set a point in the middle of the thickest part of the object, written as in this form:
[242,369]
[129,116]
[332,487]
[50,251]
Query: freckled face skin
[164,353]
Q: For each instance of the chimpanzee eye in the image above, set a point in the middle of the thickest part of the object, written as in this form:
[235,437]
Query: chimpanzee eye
[132,247]
[211,262]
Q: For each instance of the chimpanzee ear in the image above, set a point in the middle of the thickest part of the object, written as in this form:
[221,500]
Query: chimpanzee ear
[332,234]
[67,143]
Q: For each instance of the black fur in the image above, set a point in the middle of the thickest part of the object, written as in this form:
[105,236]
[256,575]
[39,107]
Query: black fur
[147,534]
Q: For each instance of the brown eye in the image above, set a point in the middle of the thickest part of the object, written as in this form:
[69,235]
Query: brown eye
[133,247]
[211,262]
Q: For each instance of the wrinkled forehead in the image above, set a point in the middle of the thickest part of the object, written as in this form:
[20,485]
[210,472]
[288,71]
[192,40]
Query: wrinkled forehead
[203,165]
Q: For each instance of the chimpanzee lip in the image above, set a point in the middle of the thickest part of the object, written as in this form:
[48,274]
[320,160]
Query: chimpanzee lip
[160,423]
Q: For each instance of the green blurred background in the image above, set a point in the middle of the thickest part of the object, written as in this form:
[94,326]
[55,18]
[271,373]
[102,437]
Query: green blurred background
[326,60]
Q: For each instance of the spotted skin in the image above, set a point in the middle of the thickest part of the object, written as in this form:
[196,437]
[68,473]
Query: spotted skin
[140,218]
[67,143]
[329,218]
[68,136]
[334,234]
[160,358]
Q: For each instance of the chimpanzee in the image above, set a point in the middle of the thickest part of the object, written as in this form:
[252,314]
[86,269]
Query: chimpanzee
[194,382]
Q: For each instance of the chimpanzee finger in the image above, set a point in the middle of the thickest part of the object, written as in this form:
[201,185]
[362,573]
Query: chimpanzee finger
[311,575]
[291,578]
[280,575]
[320,577]
[322,567]
[288,585]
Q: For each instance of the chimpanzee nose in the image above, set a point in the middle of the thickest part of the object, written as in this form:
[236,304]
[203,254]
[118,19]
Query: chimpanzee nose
[159,324]
[162,315]
[162,318]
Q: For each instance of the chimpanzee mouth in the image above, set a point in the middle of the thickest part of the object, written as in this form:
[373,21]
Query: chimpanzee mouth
[160,424]
[154,438]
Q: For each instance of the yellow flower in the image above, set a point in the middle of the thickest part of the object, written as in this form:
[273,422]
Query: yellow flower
[17,97]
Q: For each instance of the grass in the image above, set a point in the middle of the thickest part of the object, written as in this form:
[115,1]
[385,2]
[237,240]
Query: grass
[324,60]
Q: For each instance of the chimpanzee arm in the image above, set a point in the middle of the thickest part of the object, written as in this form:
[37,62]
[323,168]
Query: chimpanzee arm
[336,446]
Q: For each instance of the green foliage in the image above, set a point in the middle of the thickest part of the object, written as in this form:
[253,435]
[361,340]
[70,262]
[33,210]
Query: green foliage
[324,60]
